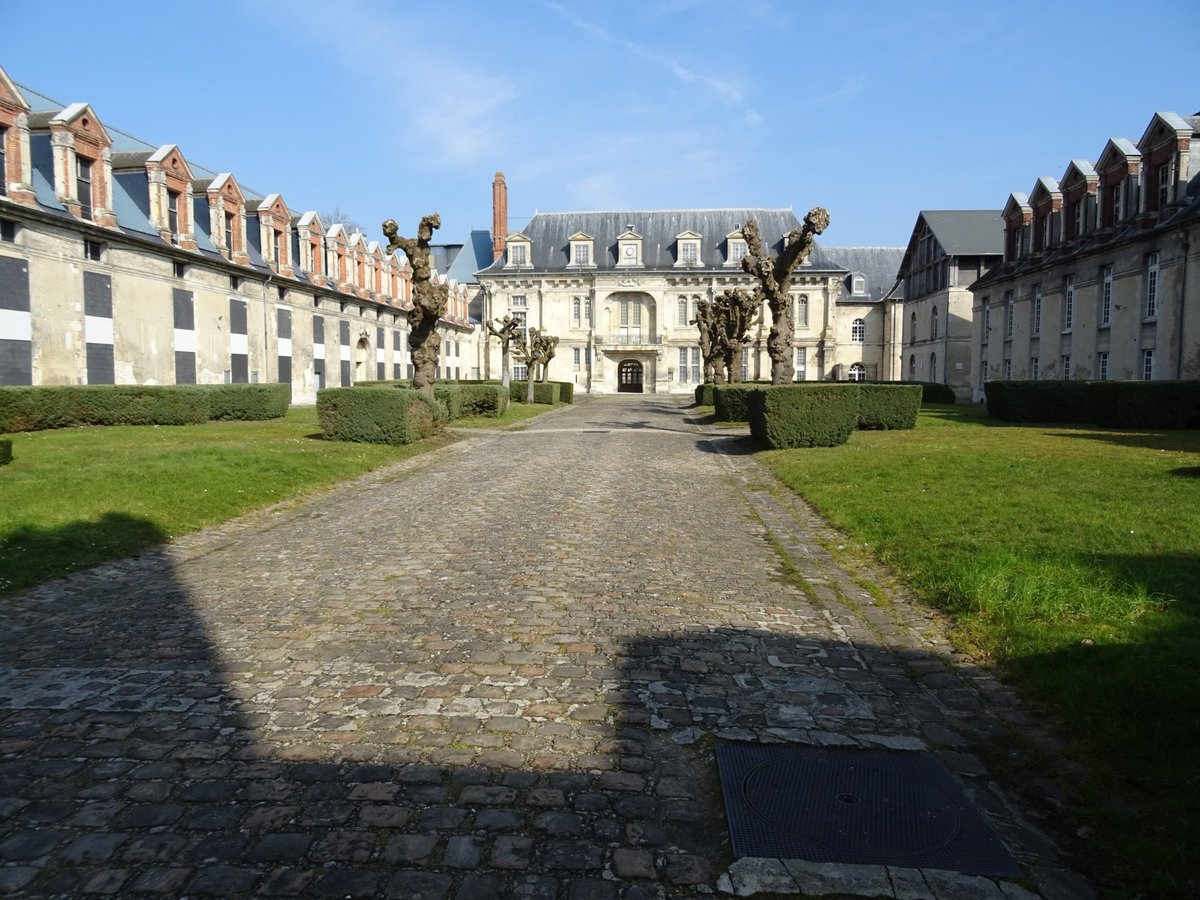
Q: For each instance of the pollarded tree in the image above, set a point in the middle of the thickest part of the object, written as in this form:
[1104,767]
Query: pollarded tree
[430,299]
[544,350]
[508,332]
[710,343]
[774,280]
[525,348]
[736,311]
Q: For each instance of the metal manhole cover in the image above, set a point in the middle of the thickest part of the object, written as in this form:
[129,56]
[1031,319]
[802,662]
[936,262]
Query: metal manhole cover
[848,805]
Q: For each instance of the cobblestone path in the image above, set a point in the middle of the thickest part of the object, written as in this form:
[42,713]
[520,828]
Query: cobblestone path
[495,670]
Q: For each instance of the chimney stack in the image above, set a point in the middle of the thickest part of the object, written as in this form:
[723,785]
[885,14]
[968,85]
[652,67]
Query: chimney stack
[499,216]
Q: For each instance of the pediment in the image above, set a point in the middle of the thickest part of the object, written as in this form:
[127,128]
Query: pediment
[629,235]
[337,234]
[735,236]
[311,221]
[9,93]
[518,238]
[1164,128]
[1117,152]
[274,206]
[172,161]
[581,236]
[1017,205]
[1044,191]
[226,186]
[1078,171]
[688,236]
[82,120]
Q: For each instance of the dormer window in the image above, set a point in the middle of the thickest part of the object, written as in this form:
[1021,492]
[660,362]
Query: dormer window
[687,249]
[629,248]
[581,251]
[858,285]
[735,249]
[83,185]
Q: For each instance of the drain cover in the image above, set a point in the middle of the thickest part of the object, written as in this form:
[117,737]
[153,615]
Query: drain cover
[867,807]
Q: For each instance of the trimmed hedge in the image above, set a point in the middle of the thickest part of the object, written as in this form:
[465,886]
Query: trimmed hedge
[5,451]
[566,391]
[1107,404]
[934,392]
[704,394]
[729,400]
[68,406]
[472,399]
[812,414]
[543,391]
[888,406]
[377,417]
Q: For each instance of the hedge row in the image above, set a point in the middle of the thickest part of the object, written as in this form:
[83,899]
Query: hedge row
[67,406]
[820,414]
[472,399]
[548,392]
[729,400]
[378,417]
[704,394]
[933,391]
[1108,404]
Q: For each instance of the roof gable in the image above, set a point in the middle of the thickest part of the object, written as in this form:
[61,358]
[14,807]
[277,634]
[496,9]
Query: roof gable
[9,93]
[82,119]
[966,232]
[1045,190]
[581,236]
[1165,126]
[1118,151]
[169,157]
[1017,206]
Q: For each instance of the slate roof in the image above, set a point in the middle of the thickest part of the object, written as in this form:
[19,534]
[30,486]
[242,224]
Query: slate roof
[550,234]
[967,232]
[879,265]
[475,254]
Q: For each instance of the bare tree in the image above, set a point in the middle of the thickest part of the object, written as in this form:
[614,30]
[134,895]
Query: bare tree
[710,343]
[546,345]
[337,216]
[735,311]
[430,299]
[774,280]
[508,332]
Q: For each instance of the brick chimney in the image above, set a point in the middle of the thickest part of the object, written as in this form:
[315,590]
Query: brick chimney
[499,215]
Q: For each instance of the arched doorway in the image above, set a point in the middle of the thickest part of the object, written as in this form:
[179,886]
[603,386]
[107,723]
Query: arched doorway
[629,377]
[361,352]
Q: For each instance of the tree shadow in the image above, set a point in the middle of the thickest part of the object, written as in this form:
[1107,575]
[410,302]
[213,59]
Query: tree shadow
[1181,440]
[208,730]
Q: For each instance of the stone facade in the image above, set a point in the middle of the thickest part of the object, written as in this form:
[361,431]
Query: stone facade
[1099,277]
[620,290]
[121,262]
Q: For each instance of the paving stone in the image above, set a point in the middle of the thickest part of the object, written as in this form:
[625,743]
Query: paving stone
[592,889]
[418,886]
[631,863]
[836,878]
[92,848]
[512,852]
[106,881]
[498,820]
[222,881]
[28,845]
[751,875]
[161,881]
[13,878]
[462,852]
[407,848]
[346,883]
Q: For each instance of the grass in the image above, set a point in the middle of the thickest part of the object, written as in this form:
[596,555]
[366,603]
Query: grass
[76,497]
[1068,557]
[516,412]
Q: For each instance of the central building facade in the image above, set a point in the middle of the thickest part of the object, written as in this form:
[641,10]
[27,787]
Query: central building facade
[620,291]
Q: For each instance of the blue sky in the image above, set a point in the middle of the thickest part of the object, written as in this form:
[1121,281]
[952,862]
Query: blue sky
[382,109]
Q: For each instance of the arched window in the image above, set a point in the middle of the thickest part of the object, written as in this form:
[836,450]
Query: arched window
[802,311]
[933,367]
[587,311]
[575,310]
[912,367]
[858,331]
[858,372]
[933,324]
[912,331]
[681,317]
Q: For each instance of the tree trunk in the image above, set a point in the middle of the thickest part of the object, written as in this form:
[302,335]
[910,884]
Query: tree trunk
[779,340]
[505,373]
[529,383]
[424,351]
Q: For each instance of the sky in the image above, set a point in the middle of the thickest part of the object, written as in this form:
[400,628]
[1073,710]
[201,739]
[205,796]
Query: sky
[391,109]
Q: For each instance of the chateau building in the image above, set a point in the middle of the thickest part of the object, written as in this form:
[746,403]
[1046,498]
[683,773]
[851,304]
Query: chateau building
[125,262]
[1099,275]
[948,251]
[619,289]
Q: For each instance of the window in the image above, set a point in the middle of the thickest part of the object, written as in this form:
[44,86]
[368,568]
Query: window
[983,371]
[858,286]
[1034,370]
[3,161]
[1078,217]
[575,355]
[858,331]
[801,363]
[180,268]
[745,365]
[933,324]
[173,212]
[230,232]
[1118,191]
[1068,314]
[1066,368]
[83,185]
[93,250]
[1164,184]
[519,315]
[587,311]
[1036,324]
[1102,365]
[802,311]
[689,252]
[912,329]
[580,254]
[576,307]
[8,231]
[1009,314]
[681,313]
[234,282]
[858,372]
[1106,284]
[933,367]
[1008,370]
[683,364]
[519,372]
[1151,286]
[1047,231]
[517,300]
[737,250]
[516,254]
[1148,365]
[696,364]
[987,321]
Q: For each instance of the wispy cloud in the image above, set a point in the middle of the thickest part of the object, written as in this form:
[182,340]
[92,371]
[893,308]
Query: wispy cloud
[855,84]
[726,90]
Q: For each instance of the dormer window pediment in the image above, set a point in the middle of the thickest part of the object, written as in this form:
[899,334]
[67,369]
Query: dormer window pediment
[580,251]
[518,252]
[735,248]
[629,248]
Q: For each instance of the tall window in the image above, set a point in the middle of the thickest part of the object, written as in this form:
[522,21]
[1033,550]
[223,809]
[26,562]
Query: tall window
[1102,365]
[983,372]
[517,300]
[1068,302]
[687,252]
[3,161]
[1106,285]
[1078,210]
[230,232]
[683,364]
[1148,365]
[1008,370]
[1164,184]
[624,307]
[1009,314]
[912,367]
[576,353]
[802,311]
[582,254]
[987,320]
[696,364]
[858,331]
[1066,368]
[83,185]
[912,326]
[576,309]
[587,311]
[277,247]
[933,324]
[1152,286]
[516,254]
[173,212]
[801,363]
[1118,191]
[1037,310]
[681,314]
[1035,371]
[933,367]
[1047,231]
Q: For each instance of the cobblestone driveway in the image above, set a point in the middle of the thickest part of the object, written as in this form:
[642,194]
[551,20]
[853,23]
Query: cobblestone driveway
[495,670]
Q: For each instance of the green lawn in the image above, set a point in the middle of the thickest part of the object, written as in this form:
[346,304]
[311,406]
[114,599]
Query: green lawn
[78,496]
[1070,558]
[516,412]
